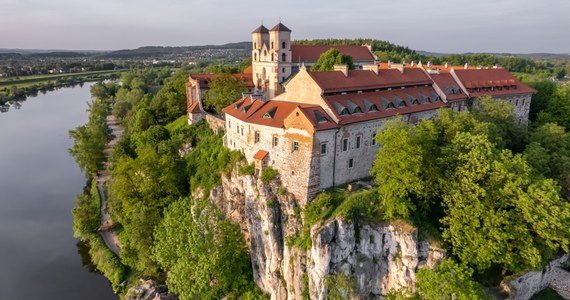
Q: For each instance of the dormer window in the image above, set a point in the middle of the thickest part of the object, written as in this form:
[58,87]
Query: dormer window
[369,106]
[353,108]
[270,113]
[320,118]
[398,102]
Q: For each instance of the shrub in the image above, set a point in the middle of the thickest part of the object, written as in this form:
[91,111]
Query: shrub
[247,169]
[268,174]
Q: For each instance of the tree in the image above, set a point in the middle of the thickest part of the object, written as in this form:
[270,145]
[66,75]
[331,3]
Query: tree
[558,108]
[330,58]
[545,90]
[205,254]
[494,205]
[224,90]
[447,281]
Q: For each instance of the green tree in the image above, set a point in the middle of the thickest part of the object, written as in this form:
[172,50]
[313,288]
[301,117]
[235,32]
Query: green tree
[224,90]
[330,58]
[558,108]
[448,281]
[205,254]
[493,204]
[545,91]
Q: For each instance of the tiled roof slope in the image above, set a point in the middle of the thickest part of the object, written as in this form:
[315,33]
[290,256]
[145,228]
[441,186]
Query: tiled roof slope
[335,81]
[308,53]
[491,82]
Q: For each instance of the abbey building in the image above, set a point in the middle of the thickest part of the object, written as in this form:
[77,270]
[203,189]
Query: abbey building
[317,128]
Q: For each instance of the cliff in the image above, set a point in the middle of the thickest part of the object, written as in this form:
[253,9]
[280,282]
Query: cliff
[378,258]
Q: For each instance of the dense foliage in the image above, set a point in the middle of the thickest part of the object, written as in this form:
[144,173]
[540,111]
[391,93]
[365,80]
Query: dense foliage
[204,253]
[330,58]
[224,90]
[493,207]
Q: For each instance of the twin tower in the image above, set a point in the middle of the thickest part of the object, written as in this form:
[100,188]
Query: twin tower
[271,59]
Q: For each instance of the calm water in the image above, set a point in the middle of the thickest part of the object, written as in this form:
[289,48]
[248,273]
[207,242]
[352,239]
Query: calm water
[39,258]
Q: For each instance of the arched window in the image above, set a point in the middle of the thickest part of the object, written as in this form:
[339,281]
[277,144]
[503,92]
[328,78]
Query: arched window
[283,57]
[283,44]
[264,53]
[255,56]
[271,45]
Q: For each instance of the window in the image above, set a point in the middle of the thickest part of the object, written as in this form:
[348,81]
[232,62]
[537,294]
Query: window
[283,44]
[241,131]
[358,141]
[275,141]
[237,129]
[257,136]
[373,139]
[283,70]
[229,124]
[324,148]
[271,45]
[254,45]
[344,144]
[295,146]
[351,163]
[283,57]
[255,56]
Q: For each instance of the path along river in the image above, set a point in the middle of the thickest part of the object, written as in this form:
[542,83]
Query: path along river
[39,258]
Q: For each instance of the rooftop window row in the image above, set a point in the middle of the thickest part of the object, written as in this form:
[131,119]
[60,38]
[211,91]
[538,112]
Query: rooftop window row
[392,103]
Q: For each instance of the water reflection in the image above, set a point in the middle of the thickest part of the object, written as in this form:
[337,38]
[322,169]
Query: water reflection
[83,251]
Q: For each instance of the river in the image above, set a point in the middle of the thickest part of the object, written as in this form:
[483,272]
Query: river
[39,258]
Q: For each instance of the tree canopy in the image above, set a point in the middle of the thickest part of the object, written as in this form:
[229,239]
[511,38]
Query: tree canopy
[330,58]
[224,90]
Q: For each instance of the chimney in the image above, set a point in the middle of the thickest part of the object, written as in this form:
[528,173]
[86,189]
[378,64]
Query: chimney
[389,64]
[371,67]
[446,65]
[342,68]
[412,64]
[429,64]
[495,66]
[466,66]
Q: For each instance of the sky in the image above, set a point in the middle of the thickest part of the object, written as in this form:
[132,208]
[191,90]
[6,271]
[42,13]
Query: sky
[447,26]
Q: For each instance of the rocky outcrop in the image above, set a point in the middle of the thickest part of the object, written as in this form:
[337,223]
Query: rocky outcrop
[524,286]
[379,257]
[149,290]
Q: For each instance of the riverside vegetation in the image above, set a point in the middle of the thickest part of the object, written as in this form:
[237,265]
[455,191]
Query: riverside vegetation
[473,175]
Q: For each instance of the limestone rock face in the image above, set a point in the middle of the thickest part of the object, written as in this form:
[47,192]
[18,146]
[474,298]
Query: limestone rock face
[149,290]
[380,257]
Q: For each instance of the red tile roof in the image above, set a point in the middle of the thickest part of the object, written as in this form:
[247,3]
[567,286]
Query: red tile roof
[449,86]
[335,81]
[491,82]
[194,107]
[260,155]
[376,105]
[273,113]
[205,79]
[307,53]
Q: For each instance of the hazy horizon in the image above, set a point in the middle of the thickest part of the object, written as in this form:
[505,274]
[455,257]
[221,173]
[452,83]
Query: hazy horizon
[442,26]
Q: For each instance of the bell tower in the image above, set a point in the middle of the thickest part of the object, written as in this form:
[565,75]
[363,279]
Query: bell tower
[271,59]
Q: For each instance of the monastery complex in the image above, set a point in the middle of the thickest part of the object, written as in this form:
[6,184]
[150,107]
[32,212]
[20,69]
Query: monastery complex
[317,128]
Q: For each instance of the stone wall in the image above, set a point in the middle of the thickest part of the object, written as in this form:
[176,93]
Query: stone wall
[216,124]
[523,287]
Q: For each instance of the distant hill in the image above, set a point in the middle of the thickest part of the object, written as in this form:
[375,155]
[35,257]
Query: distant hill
[159,52]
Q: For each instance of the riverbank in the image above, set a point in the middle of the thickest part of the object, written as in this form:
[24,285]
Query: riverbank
[19,88]
[107,230]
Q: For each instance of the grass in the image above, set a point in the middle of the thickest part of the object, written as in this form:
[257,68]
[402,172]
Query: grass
[27,81]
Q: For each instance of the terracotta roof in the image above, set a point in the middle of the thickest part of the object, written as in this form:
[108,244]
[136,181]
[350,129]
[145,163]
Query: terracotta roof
[280,27]
[449,86]
[335,81]
[273,113]
[352,108]
[194,107]
[491,82]
[248,70]
[260,155]
[306,53]
[260,29]
[205,79]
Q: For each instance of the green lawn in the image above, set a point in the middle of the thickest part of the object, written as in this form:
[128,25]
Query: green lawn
[26,81]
